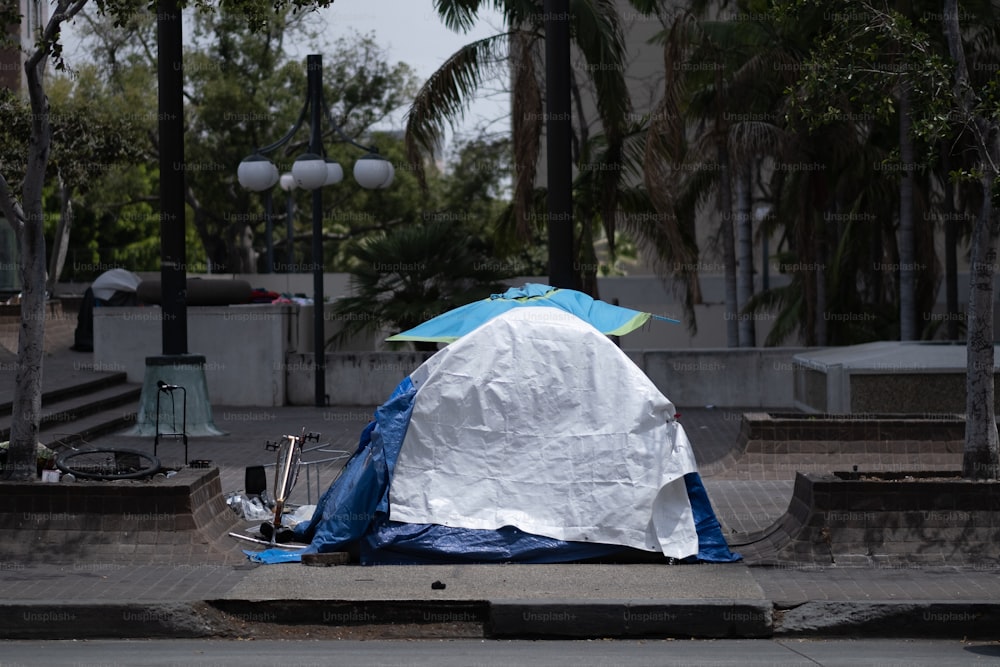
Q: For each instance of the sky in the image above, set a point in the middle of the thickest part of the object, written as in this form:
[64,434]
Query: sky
[411,31]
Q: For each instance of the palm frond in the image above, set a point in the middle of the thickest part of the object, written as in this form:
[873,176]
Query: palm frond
[657,239]
[509,234]
[459,15]
[445,96]
[646,7]
[405,276]
[672,239]
[788,302]
[599,36]
[749,139]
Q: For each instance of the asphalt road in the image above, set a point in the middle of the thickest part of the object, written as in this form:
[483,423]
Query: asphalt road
[486,653]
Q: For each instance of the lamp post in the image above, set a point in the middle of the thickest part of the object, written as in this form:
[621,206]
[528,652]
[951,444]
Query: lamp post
[173,257]
[311,171]
[558,142]
[175,367]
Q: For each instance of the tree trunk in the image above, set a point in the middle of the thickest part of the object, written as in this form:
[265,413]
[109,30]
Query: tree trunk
[982,446]
[950,246]
[981,456]
[907,242]
[60,242]
[585,266]
[744,258]
[819,275]
[728,248]
[27,406]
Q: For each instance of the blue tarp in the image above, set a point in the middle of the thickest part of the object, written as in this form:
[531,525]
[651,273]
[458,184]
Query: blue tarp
[354,513]
[605,317]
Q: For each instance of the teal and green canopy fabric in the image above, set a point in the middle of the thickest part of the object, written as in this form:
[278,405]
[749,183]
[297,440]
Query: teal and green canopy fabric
[450,326]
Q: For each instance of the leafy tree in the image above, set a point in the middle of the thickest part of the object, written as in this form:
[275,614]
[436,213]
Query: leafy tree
[415,272]
[243,92]
[22,205]
[716,120]
[477,187]
[860,68]
[823,163]
[91,147]
[978,111]
[944,100]
[448,253]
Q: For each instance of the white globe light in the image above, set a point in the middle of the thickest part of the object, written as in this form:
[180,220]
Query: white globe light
[256,173]
[309,171]
[390,177]
[287,181]
[372,171]
[334,173]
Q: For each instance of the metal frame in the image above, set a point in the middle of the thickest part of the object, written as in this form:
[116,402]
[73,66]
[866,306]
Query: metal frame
[164,388]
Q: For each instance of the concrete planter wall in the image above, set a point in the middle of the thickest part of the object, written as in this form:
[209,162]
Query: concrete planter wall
[754,378]
[112,521]
[887,376]
[244,347]
[352,378]
[775,445]
[884,519]
[261,355]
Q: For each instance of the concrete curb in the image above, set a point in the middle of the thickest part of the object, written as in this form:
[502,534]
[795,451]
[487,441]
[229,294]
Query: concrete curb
[889,618]
[354,612]
[507,619]
[630,618]
[82,620]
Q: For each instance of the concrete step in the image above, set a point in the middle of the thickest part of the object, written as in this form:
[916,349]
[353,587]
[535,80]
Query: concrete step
[99,382]
[86,429]
[72,414]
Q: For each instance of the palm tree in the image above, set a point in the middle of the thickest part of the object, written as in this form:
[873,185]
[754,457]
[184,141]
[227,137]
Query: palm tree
[746,98]
[596,33]
[721,90]
[405,276]
[635,213]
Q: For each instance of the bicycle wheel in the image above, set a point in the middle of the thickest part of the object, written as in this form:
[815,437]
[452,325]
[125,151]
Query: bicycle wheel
[108,464]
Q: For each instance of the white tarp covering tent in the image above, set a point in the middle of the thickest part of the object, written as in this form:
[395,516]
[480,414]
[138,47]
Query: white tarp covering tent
[539,421]
[533,438]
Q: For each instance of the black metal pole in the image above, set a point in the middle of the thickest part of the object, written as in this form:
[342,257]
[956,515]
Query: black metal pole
[173,260]
[314,66]
[290,234]
[558,143]
[269,232]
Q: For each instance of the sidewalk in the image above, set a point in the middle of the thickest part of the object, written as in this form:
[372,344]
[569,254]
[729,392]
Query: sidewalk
[185,599]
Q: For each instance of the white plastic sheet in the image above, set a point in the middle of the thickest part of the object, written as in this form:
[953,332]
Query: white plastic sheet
[537,420]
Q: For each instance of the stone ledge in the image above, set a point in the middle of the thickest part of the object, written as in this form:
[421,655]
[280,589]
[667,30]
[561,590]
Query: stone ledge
[922,518]
[135,521]
[777,445]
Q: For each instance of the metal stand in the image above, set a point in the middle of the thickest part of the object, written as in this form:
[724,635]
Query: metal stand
[164,388]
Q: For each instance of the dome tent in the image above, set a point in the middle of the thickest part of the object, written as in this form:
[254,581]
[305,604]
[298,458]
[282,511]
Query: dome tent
[533,439]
